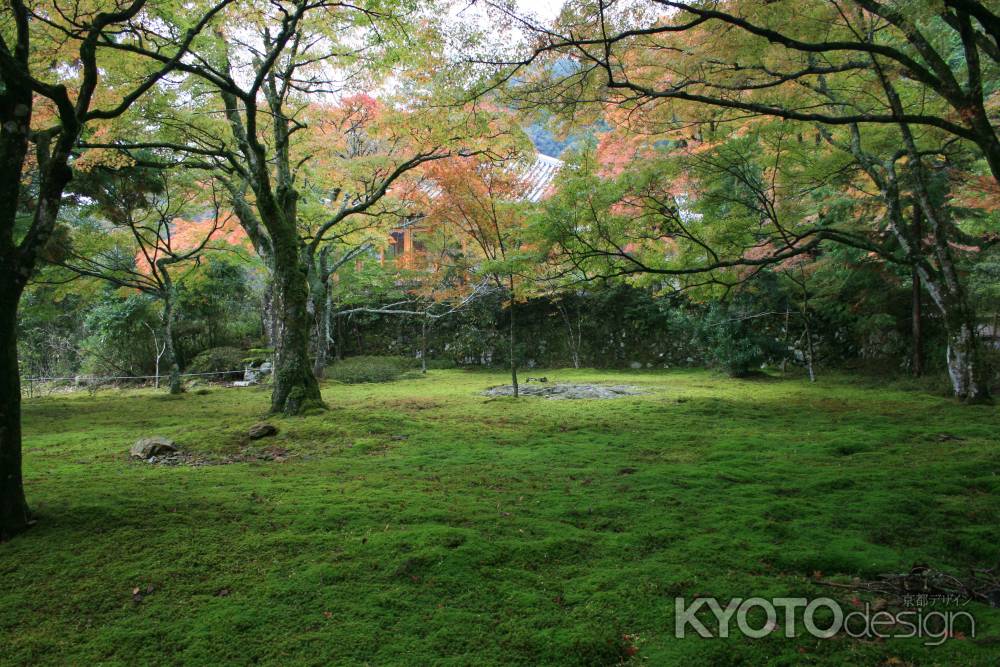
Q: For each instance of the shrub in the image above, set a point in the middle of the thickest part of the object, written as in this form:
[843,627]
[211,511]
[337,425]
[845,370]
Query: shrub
[258,355]
[731,340]
[355,370]
[219,360]
[118,338]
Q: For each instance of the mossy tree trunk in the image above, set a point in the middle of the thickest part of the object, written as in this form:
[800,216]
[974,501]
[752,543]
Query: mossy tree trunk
[171,345]
[966,365]
[271,223]
[295,385]
[916,305]
[946,285]
[54,147]
[937,265]
[17,262]
[935,270]
[319,303]
[15,116]
[260,102]
[168,294]
[14,514]
[321,339]
[927,239]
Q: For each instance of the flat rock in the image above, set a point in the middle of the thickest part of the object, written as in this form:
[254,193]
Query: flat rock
[145,448]
[262,430]
[566,391]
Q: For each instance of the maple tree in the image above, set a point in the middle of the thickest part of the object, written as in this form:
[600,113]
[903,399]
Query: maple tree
[755,57]
[483,200]
[290,165]
[54,88]
[361,182]
[140,239]
[690,75]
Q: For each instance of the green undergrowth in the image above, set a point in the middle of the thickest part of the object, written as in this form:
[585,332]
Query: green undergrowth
[419,522]
[362,369]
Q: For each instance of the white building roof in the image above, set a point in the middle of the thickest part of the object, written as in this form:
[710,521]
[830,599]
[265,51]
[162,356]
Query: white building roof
[539,175]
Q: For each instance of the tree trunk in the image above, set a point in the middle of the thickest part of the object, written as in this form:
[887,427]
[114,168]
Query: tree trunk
[159,354]
[319,301]
[14,514]
[787,333]
[338,349]
[320,358]
[917,315]
[513,360]
[171,344]
[918,327]
[268,318]
[156,370]
[810,349]
[574,339]
[943,282]
[16,265]
[966,366]
[423,346]
[328,324]
[295,386]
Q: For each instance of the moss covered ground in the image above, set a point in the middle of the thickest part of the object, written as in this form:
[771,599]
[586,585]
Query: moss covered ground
[418,522]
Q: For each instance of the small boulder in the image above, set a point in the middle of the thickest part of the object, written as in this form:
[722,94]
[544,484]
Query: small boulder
[262,430]
[145,448]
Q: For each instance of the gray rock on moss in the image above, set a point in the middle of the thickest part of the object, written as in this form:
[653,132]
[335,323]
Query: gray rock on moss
[262,430]
[145,448]
[567,391]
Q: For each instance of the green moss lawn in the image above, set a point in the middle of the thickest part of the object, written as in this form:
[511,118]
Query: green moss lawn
[419,523]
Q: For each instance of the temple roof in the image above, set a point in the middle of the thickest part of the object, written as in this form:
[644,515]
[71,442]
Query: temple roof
[540,174]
